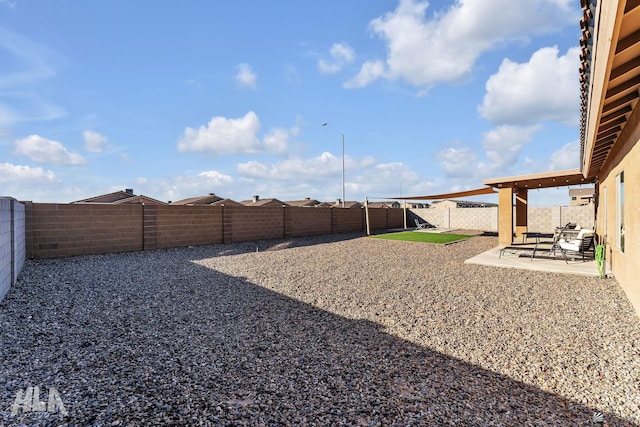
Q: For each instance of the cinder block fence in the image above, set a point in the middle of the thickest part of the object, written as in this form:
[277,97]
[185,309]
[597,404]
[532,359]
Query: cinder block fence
[12,242]
[57,230]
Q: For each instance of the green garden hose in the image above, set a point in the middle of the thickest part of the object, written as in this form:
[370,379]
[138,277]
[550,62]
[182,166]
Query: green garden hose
[600,259]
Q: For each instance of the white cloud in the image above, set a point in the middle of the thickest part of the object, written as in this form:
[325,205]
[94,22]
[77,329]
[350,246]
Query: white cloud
[567,157]
[186,185]
[223,136]
[545,88]
[277,140]
[13,174]
[457,162]
[245,77]
[502,147]
[315,169]
[445,47]
[321,177]
[94,142]
[235,136]
[369,72]
[28,183]
[47,151]
[341,55]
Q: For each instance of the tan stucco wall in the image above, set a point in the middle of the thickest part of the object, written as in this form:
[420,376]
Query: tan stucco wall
[505,216]
[625,266]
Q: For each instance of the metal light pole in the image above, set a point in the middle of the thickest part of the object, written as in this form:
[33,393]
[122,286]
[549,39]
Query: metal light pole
[342,134]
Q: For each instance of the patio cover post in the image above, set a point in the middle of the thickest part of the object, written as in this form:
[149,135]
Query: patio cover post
[505,216]
[521,211]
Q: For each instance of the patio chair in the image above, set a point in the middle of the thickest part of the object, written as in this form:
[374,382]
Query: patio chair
[562,233]
[581,244]
[423,225]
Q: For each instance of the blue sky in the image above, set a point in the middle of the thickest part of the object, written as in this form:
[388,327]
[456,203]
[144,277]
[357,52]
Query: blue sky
[181,99]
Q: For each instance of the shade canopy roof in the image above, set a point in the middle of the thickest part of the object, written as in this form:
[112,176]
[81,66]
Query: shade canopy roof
[476,192]
[540,180]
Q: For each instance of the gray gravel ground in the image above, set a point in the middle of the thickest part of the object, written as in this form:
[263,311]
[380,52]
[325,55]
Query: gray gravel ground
[332,330]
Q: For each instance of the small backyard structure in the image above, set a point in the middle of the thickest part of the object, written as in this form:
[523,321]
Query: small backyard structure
[518,187]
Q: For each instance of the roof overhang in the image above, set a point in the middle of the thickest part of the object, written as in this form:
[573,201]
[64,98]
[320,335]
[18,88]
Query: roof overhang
[609,77]
[540,180]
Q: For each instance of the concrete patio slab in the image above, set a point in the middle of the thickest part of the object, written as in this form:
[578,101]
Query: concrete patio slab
[512,259]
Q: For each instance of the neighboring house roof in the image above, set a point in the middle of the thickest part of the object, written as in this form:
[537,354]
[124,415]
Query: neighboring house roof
[351,205]
[120,198]
[108,198]
[582,191]
[338,204]
[264,202]
[227,202]
[139,200]
[325,205]
[199,200]
[384,205]
[307,202]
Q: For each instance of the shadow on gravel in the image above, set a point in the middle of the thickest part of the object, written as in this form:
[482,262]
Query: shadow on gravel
[143,339]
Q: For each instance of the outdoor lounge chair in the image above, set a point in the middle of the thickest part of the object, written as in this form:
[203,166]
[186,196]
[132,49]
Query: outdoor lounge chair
[581,244]
[423,225]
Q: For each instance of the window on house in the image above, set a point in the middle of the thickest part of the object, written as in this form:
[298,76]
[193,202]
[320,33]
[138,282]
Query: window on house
[620,211]
[574,198]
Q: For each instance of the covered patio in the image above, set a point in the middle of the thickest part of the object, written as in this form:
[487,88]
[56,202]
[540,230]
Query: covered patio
[512,223]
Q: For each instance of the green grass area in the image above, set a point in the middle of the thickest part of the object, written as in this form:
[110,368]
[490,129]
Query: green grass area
[412,236]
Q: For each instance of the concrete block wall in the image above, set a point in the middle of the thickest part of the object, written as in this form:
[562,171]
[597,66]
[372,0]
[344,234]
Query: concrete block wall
[378,219]
[485,219]
[584,216]
[546,219]
[57,230]
[345,220]
[543,219]
[6,258]
[256,223]
[67,229]
[178,226]
[12,242]
[302,221]
[437,217]
[395,218]
[19,242]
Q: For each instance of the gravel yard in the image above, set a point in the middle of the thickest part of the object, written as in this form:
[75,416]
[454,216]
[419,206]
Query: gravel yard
[331,330]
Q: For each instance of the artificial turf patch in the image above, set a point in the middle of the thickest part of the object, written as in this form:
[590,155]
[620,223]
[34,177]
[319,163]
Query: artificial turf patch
[412,236]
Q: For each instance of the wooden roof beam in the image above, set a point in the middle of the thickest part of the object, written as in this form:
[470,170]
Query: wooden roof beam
[627,99]
[631,4]
[625,68]
[616,114]
[610,132]
[616,122]
[628,42]
[623,87]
